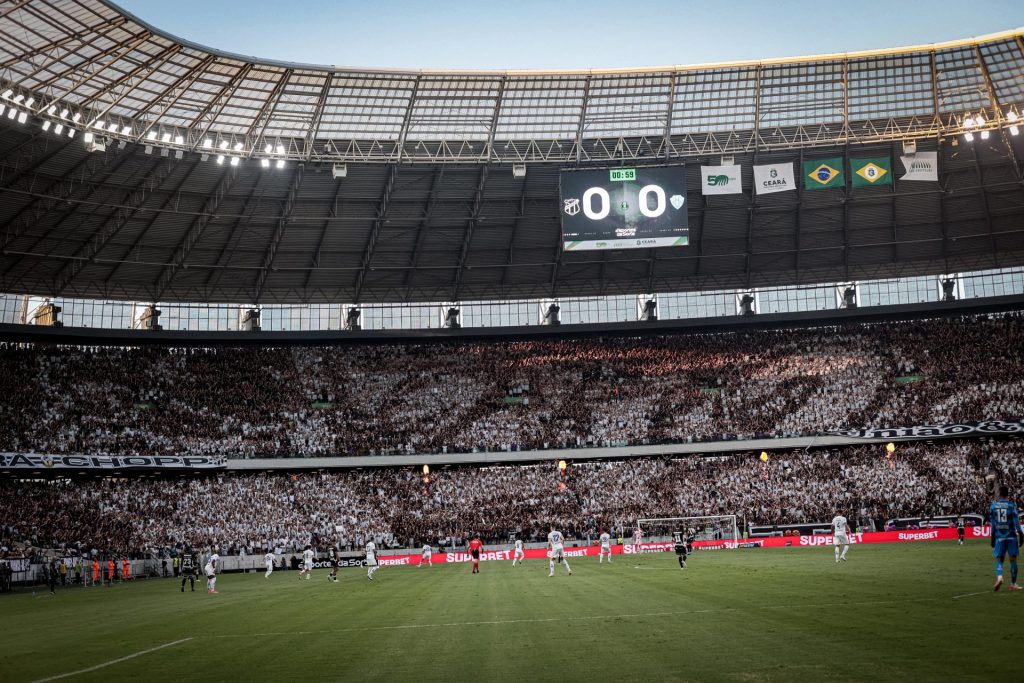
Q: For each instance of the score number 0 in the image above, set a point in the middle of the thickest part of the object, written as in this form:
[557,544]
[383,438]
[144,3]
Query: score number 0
[605,202]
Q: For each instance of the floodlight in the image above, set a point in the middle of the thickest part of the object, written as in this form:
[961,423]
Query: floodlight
[30,102]
[22,117]
[1014,130]
[984,135]
[46,125]
[151,135]
[166,137]
[265,163]
[63,113]
[179,140]
[969,137]
[238,146]
[71,132]
[88,137]
[280,163]
[59,128]
[220,158]
[7,94]
[268,148]
[234,161]
[18,99]
[99,125]
[1011,116]
[223,144]
[280,149]
[127,130]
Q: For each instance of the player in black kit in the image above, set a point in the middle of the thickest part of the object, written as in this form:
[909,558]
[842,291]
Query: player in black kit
[681,549]
[960,531]
[189,568]
[334,564]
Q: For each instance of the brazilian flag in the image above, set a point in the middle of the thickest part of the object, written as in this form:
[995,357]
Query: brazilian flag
[819,173]
[867,172]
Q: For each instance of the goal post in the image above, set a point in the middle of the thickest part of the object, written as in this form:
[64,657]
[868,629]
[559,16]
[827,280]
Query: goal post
[709,528]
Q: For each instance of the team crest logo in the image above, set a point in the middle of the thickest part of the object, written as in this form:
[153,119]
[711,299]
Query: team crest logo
[572,206]
[773,173]
[48,462]
[823,174]
[677,201]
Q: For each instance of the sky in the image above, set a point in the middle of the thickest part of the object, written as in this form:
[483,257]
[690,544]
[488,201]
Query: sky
[565,34]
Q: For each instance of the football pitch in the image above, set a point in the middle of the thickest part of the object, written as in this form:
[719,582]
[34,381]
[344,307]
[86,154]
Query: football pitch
[920,610]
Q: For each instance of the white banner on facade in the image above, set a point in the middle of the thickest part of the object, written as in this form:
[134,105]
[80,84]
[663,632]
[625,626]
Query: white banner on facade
[27,461]
[921,166]
[721,180]
[774,178]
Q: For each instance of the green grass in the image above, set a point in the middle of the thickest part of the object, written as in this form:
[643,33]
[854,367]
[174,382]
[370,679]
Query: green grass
[763,614]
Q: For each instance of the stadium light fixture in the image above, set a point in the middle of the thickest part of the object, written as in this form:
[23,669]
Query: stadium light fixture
[234,161]
[968,121]
[59,128]
[1011,116]
[2,108]
[238,146]
[223,144]
[280,149]
[18,99]
[969,136]
[88,137]
[1014,130]
[220,158]
[99,125]
[71,132]
[22,117]
[77,117]
[51,110]
[268,148]
[29,102]
[984,135]
[979,120]
[46,126]
[179,140]
[12,112]
[280,163]
[151,135]
[127,130]
[265,163]
[166,138]
[64,113]
[7,94]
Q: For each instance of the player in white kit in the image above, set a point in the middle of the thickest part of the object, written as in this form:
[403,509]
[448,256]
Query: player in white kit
[269,558]
[371,559]
[428,554]
[307,563]
[518,555]
[840,536]
[638,536]
[556,553]
[211,573]
[606,548]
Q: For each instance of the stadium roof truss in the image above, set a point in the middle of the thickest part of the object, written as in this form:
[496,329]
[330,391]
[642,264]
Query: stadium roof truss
[429,209]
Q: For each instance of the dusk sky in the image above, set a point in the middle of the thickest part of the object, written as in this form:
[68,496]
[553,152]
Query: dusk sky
[539,34]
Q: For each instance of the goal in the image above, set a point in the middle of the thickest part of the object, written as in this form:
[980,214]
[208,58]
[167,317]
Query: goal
[716,528]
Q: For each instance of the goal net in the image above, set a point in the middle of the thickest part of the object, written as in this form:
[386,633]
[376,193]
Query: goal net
[717,529]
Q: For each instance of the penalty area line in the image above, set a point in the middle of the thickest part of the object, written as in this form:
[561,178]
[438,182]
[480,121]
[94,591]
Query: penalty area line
[113,661]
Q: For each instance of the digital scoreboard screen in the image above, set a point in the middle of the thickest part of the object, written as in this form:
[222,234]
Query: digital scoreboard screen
[624,208]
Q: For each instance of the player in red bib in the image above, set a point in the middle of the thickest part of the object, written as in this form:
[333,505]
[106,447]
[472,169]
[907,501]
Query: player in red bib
[475,546]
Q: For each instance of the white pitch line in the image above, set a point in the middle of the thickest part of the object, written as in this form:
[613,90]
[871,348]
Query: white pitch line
[967,595]
[502,622]
[113,661]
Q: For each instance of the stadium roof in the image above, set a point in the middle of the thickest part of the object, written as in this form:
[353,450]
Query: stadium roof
[430,209]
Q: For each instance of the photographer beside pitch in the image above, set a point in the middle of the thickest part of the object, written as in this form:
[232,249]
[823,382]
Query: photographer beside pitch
[1006,537]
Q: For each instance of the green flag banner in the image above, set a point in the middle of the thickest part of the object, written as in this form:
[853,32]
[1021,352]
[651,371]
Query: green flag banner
[866,172]
[819,173]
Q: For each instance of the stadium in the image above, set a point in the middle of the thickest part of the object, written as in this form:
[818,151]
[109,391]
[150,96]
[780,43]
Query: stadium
[677,373]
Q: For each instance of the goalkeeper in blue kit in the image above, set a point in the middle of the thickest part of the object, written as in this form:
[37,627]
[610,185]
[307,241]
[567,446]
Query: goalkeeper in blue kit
[1006,536]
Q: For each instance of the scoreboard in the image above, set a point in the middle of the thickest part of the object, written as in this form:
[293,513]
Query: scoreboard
[624,208]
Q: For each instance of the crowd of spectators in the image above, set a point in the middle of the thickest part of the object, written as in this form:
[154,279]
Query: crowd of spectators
[508,395]
[395,507]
